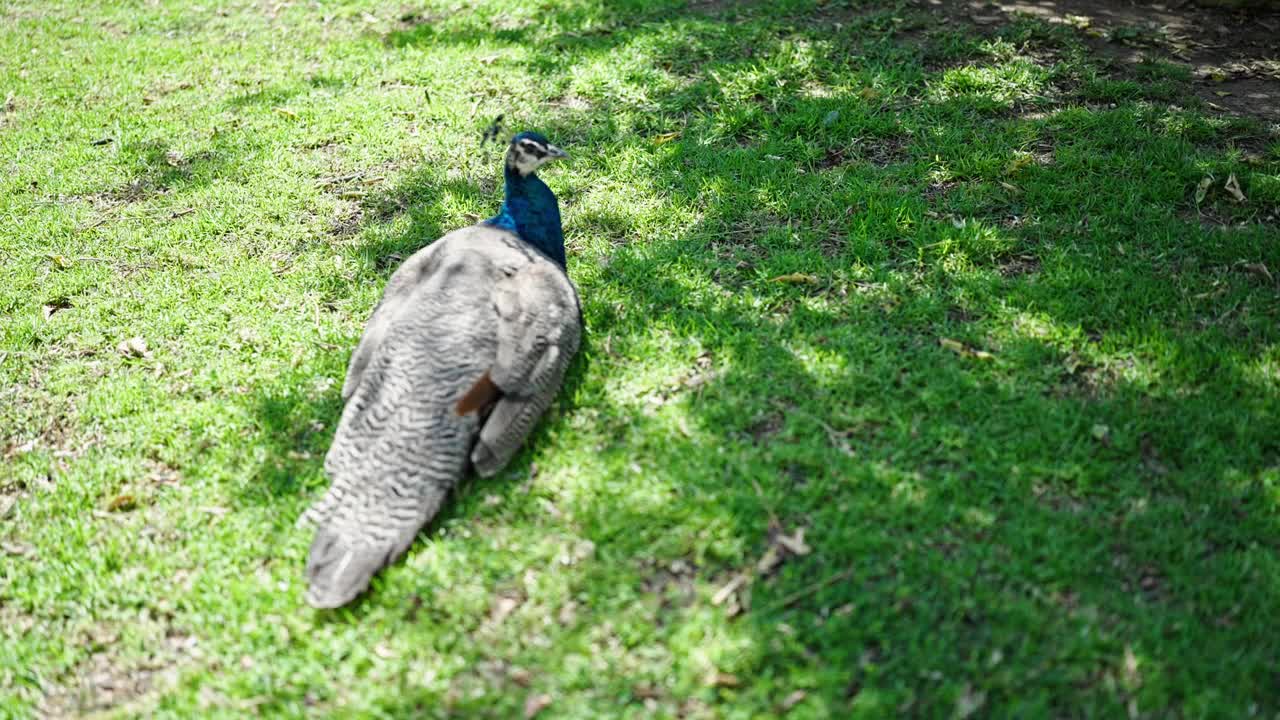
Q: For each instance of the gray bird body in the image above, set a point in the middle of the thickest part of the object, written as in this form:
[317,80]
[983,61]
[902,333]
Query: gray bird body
[479,314]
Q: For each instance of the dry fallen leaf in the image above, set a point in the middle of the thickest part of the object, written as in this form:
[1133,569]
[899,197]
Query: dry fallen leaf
[795,278]
[1260,269]
[17,450]
[729,589]
[646,692]
[18,549]
[568,613]
[1017,163]
[715,678]
[502,607]
[769,561]
[1101,433]
[134,347]
[794,544]
[1232,186]
[122,503]
[1202,188]
[520,676]
[1132,676]
[969,703]
[536,704]
[964,350]
[792,700]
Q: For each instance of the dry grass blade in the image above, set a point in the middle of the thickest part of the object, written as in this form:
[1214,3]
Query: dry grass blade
[730,588]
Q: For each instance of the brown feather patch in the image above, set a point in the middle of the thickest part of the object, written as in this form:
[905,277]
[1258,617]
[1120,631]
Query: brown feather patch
[481,394]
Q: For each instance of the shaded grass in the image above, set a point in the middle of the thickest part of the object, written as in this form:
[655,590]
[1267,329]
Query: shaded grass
[1083,523]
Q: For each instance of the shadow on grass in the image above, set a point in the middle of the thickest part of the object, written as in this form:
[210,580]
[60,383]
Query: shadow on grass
[1069,506]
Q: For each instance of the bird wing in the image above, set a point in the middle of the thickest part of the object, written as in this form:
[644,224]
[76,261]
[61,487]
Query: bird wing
[399,288]
[538,331]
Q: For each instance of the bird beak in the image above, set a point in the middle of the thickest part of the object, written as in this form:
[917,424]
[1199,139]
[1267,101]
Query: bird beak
[557,152]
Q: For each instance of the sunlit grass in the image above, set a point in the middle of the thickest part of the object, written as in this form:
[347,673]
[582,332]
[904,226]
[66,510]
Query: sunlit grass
[950,303]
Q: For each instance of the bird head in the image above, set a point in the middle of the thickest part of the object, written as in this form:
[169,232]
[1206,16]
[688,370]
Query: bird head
[530,151]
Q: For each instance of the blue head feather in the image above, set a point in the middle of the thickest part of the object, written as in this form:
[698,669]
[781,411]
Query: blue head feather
[529,208]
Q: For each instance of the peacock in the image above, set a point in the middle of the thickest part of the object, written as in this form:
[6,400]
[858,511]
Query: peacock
[464,352]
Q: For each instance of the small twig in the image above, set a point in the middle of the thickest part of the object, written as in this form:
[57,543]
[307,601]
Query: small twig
[836,437]
[802,593]
[339,179]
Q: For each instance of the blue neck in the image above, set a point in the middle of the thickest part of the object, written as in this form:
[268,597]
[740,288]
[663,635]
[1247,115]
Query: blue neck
[529,209]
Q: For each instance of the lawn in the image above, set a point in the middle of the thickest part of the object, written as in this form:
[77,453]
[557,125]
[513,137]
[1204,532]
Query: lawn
[932,369]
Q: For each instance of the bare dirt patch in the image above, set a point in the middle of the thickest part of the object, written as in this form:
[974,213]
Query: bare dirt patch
[1233,57]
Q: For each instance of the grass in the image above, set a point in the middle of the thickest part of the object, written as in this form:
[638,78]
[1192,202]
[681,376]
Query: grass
[1020,391]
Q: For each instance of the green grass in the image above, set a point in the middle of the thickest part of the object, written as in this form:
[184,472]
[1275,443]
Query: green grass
[1069,508]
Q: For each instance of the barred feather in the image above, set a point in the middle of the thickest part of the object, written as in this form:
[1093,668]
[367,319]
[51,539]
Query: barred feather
[478,303]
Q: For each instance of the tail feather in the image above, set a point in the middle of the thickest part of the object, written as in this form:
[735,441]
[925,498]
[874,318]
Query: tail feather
[338,569]
[483,393]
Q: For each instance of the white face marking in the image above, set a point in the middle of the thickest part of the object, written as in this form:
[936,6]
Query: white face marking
[527,155]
